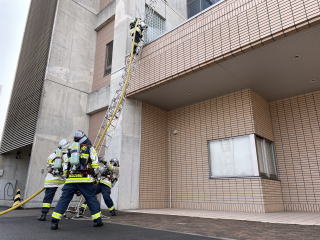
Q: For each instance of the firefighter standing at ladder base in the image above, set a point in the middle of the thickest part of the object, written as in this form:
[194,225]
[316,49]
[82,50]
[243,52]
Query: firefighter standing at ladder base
[82,166]
[54,176]
[108,176]
[137,28]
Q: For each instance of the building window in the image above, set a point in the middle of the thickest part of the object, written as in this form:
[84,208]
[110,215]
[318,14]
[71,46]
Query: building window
[266,158]
[108,62]
[244,156]
[156,25]
[196,6]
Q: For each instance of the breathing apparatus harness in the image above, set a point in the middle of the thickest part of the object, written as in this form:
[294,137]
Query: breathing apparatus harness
[56,166]
[107,171]
[80,159]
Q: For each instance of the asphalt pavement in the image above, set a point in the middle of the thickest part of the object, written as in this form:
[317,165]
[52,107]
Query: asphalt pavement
[23,225]
[29,228]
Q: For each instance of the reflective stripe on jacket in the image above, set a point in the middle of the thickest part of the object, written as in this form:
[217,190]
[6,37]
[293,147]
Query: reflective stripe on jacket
[53,181]
[106,182]
[85,154]
[88,179]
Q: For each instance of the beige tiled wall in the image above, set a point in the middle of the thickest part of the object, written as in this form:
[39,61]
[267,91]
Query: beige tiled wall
[271,189]
[232,27]
[262,117]
[296,127]
[272,195]
[95,123]
[222,117]
[188,168]
[104,36]
[154,151]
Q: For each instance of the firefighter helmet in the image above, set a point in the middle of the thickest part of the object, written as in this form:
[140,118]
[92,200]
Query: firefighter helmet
[114,162]
[63,144]
[80,136]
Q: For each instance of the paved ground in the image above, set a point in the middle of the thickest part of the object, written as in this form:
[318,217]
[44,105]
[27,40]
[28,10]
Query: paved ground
[22,224]
[300,218]
[27,227]
[221,228]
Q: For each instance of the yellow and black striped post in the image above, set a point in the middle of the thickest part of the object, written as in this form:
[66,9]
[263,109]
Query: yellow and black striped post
[17,198]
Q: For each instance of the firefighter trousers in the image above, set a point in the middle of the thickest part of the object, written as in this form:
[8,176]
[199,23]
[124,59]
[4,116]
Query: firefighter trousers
[106,192]
[48,198]
[88,192]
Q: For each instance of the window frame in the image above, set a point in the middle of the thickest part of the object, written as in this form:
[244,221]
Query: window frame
[266,163]
[107,65]
[254,155]
[201,7]
[149,36]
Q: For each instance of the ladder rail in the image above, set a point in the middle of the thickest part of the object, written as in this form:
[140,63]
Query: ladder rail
[126,84]
[114,109]
[104,129]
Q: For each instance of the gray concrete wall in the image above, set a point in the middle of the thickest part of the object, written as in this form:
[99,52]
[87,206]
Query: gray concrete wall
[179,6]
[174,12]
[126,142]
[105,15]
[68,79]
[98,100]
[14,170]
[90,5]
[67,83]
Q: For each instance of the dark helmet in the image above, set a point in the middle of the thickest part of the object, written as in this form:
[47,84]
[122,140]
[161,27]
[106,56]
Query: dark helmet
[80,136]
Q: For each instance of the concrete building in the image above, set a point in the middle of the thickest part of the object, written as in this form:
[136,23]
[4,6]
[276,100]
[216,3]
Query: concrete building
[223,110]
[63,82]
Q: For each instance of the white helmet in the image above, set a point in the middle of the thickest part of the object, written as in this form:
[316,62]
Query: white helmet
[63,144]
[52,156]
[80,136]
[143,25]
[133,20]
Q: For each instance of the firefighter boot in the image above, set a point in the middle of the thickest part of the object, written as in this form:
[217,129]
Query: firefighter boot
[42,217]
[113,212]
[98,222]
[54,224]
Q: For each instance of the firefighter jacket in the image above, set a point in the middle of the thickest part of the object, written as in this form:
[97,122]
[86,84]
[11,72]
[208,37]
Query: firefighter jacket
[109,175]
[136,33]
[87,168]
[54,176]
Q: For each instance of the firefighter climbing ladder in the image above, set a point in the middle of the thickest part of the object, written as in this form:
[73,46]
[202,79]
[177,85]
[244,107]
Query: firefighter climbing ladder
[112,116]
[109,123]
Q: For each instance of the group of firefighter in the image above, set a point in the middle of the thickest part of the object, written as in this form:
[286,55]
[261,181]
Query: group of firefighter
[76,166]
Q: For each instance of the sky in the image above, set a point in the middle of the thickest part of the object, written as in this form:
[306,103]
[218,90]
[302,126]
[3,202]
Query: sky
[13,15]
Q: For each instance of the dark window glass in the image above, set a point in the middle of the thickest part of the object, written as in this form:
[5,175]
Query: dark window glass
[193,7]
[108,63]
[205,4]
[196,6]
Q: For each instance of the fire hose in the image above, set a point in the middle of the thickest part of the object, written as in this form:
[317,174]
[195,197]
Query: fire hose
[23,202]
